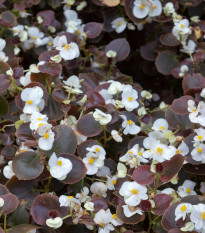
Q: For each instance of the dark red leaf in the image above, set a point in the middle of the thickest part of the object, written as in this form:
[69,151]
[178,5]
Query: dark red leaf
[143,175]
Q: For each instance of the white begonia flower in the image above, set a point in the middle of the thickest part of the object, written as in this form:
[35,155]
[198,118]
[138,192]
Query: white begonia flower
[195,19]
[73,84]
[56,58]
[24,14]
[35,38]
[198,217]
[33,68]
[83,196]
[111,182]
[20,32]
[80,138]
[129,126]
[169,8]
[202,94]
[181,29]
[129,211]
[111,54]
[187,188]
[32,97]
[102,117]
[115,220]
[189,226]
[99,188]
[25,80]
[121,170]
[2,44]
[133,193]
[116,136]
[89,206]
[72,22]
[103,219]
[54,223]
[59,167]
[182,149]
[160,125]
[119,24]
[131,26]
[97,150]
[10,72]
[68,201]
[141,8]
[198,153]
[141,111]
[92,163]
[103,172]
[16,51]
[202,187]
[8,171]
[47,136]
[200,137]
[1,202]
[3,57]
[146,94]
[68,51]
[129,98]
[162,105]
[155,8]
[115,88]
[183,70]
[182,210]
[37,120]
[189,48]
[134,157]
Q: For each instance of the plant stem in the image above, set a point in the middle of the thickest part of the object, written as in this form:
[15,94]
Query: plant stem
[5,222]
[150,222]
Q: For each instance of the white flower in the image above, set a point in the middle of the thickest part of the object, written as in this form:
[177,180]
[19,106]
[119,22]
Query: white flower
[68,201]
[115,220]
[129,211]
[181,29]
[111,54]
[146,94]
[129,126]
[68,51]
[141,9]
[182,210]
[25,80]
[119,24]
[133,193]
[198,153]
[160,125]
[103,218]
[155,8]
[37,120]
[2,44]
[129,98]
[103,172]
[99,188]
[1,202]
[182,149]
[187,188]
[200,137]
[35,38]
[8,171]
[97,150]
[20,32]
[116,136]
[198,217]
[111,182]
[189,48]
[81,6]
[121,170]
[189,226]
[47,136]
[54,223]
[183,70]
[115,88]
[32,97]
[89,206]
[169,9]
[72,22]
[92,162]
[3,57]
[102,117]
[202,94]
[83,196]
[59,167]
[73,84]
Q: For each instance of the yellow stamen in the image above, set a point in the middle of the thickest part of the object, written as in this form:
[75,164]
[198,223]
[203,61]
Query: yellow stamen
[130,152]
[183,208]
[119,23]
[114,216]
[134,191]
[38,108]
[69,197]
[130,98]
[203,215]
[154,7]
[91,161]
[76,133]
[182,26]
[101,224]
[97,149]
[78,32]
[178,152]
[35,37]
[114,182]
[50,44]
[161,127]
[40,124]
[159,150]
[198,150]
[68,4]
[140,153]
[29,102]
[60,162]
[194,109]
[46,135]
[66,47]
[199,137]
[141,7]
[188,190]
[130,122]
[23,150]
[39,119]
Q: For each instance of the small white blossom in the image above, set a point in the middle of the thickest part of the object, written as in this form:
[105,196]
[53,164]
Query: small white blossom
[102,117]
[103,218]
[182,210]
[99,188]
[187,188]
[116,136]
[54,223]
[1,202]
[129,126]
[8,171]
[129,98]
[119,24]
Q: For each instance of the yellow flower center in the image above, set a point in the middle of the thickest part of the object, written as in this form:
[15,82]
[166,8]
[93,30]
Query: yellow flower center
[182,26]
[140,153]
[188,190]
[178,151]
[203,215]
[130,152]
[76,133]
[134,191]
[194,109]
[141,7]
[69,197]
[119,23]
[40,124]
[183,208]
[97,149]
[101,224]
[199,137]
[68,4]
[154,7]
[159,150]
[49,43]
[38,108]
[114,182]
[114,216]
[23,150]
[198,150]
[78,32]
[39,119]
[46,135]
[91,161]
[35,37]
[66,47]
[130,122]
[161,127]
[29,102]
[60,162]
[130,98]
